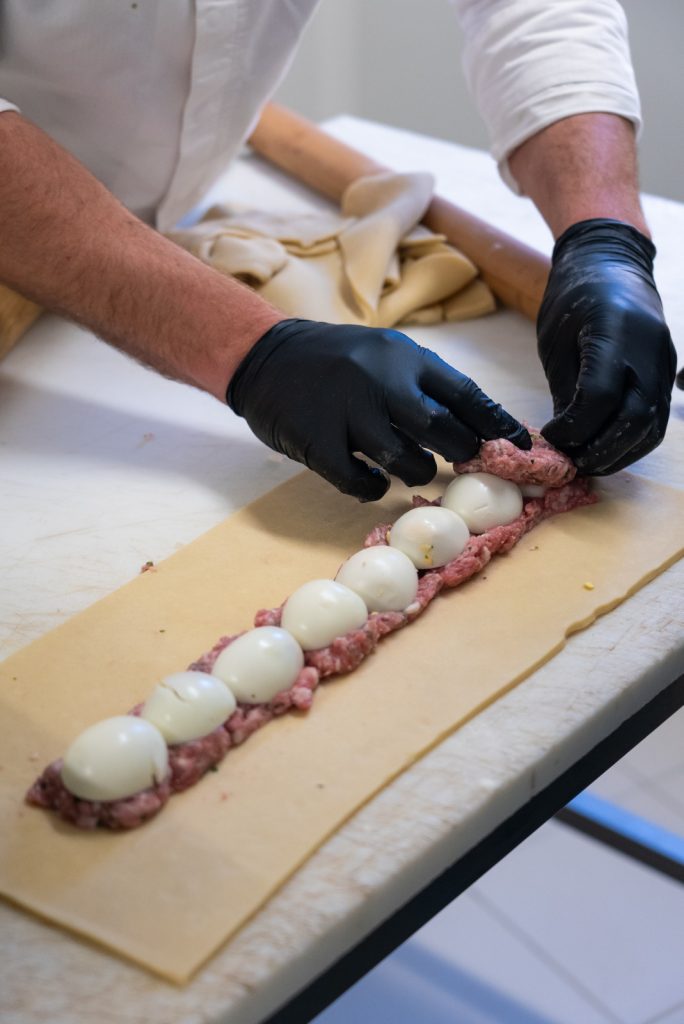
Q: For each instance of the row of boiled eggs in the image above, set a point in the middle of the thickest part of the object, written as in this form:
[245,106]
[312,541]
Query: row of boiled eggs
[123,755]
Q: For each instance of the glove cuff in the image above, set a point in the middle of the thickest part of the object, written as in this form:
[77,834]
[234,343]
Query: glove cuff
[610,237]
[252,362]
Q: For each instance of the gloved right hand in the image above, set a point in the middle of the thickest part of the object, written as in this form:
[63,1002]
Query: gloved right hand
[605,347]
[320,392]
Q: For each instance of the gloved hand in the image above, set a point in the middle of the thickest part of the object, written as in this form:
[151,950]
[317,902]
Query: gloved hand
[320,392]
[605,347]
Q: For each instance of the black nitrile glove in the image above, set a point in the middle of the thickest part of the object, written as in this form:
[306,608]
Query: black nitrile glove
[320,392]
[605,347]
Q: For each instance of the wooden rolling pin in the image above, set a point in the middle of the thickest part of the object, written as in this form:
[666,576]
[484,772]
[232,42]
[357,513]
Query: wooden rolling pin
[516,273]
[16,316]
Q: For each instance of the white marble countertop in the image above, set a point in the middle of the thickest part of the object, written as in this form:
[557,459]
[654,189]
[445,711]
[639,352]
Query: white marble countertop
[104,465]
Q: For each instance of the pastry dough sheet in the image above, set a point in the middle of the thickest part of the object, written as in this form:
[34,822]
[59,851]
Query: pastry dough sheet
[167,895]
[373,263]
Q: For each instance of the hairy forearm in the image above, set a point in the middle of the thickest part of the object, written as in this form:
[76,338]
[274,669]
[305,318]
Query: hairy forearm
[69,244]
[581,167]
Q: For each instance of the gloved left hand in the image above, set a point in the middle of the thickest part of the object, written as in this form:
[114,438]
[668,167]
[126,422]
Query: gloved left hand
[605,347]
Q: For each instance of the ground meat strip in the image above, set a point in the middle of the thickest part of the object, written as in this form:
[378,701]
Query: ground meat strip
[299,695]
[378,535]
[188,762]
[269,616]
[480,549]
[245,720]
[429,585]
[346,652]
[206,661]
[542,464]
[50,792]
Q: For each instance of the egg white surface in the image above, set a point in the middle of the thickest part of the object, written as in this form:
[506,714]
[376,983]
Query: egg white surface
[115,758]
[259,664]
[187,705]
[384,577]
[321,610]
[429,535]
[532,490]
[483,500]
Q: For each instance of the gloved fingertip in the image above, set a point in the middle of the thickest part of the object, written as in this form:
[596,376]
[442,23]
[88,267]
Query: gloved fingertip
[586,467]
[520,438]
[419,474]
[372,486]
[554,433]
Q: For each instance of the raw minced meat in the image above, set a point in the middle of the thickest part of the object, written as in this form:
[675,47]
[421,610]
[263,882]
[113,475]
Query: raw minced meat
[49,792]
[542,464]
[268,616]
[378,535]
[188,762]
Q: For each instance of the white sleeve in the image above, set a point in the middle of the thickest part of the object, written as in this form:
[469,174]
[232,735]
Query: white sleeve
[529,63]
[6,105]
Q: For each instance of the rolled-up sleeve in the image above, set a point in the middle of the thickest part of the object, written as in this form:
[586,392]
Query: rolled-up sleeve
[529,63]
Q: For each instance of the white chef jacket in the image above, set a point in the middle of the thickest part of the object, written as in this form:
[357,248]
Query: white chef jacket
[156,96]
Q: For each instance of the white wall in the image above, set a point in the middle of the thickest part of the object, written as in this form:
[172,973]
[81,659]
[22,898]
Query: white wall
[398,61]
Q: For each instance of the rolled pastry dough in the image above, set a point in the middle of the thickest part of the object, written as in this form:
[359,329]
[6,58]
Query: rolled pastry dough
[372,264]
[169,894]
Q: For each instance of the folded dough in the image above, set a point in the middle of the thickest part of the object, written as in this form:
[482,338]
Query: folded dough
[373,263]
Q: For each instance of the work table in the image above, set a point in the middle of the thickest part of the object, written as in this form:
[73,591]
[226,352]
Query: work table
[105,465]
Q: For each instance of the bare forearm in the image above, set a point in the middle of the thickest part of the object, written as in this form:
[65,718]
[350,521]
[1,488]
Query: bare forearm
[601,334]
[579,168]
[67,243]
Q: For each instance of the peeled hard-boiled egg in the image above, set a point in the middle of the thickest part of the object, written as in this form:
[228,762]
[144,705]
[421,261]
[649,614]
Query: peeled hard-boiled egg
[320,610]
[259,664]
[187,705]
[532,490]
[115,758]
[383,576]
[430,535]
[483,500]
